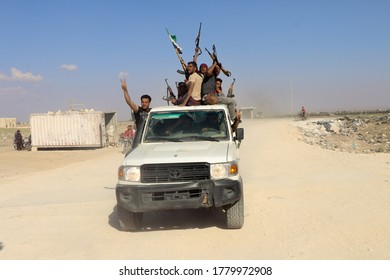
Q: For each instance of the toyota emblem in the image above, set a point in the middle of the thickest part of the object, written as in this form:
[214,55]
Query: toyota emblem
[175,173]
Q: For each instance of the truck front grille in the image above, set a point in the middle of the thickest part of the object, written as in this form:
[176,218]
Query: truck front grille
[176,195]
[165,173]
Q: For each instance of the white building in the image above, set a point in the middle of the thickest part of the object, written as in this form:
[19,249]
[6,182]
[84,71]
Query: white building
[7,122]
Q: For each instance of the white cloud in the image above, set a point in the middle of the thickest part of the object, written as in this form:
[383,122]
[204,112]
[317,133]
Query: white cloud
[17,75]
[12,90]
[3,77]
[69,67]
[28,76]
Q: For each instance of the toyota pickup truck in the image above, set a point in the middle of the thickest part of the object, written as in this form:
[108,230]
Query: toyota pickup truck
[182,158]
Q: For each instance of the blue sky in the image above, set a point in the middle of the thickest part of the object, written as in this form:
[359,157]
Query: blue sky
[336,54]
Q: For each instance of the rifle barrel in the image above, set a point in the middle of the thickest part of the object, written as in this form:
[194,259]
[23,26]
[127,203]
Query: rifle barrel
[197,40]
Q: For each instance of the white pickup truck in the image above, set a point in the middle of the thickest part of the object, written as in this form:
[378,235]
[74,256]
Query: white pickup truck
[182,158]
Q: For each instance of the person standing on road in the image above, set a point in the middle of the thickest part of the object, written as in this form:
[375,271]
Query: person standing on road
[129,132]
[18,140]
[303,113]
[138,110]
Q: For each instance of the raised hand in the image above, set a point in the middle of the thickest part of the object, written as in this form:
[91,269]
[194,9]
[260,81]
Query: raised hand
[123,84]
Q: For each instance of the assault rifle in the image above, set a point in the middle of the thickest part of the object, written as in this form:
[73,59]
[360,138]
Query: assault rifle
[214,57]
[178,50]
[198,51]
[170,94]
[230,91]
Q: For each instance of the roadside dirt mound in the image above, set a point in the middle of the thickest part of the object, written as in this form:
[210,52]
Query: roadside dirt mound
[356,134]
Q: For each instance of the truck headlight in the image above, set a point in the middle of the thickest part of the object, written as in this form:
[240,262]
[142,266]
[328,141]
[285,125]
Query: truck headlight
[223,170]
[129,173]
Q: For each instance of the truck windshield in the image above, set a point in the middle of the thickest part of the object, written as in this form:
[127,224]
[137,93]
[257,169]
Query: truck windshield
[182,126]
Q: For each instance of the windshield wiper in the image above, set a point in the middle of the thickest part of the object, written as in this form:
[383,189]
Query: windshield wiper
[163,139]
[203,138]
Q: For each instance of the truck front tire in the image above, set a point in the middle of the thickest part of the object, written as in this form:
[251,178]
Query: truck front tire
[235,215]
[129,221]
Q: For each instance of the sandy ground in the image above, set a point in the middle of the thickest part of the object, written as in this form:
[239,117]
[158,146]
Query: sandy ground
[301,202]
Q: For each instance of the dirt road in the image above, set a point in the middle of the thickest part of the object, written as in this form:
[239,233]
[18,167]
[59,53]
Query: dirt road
[301,202]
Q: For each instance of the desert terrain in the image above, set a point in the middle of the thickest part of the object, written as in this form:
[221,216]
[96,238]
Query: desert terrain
[304,200]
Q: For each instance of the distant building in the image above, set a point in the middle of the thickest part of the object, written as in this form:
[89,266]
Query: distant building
[7,122]
[247,112]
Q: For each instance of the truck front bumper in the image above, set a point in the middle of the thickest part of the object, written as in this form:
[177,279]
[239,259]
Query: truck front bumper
[201,194]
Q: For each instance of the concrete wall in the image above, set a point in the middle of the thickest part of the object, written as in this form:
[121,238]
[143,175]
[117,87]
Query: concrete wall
[7,122]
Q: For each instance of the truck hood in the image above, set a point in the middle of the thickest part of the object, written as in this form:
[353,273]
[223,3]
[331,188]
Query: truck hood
[211,152]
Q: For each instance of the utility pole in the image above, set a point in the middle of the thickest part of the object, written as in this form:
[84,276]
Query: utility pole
[291,100]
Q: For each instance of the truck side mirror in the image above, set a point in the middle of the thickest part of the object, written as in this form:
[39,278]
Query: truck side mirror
[239,134]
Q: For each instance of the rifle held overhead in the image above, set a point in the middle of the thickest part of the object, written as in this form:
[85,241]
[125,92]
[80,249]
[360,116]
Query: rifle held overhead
[214,58]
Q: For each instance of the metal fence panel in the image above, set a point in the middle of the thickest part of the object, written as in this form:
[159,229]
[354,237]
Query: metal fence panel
[67,129]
